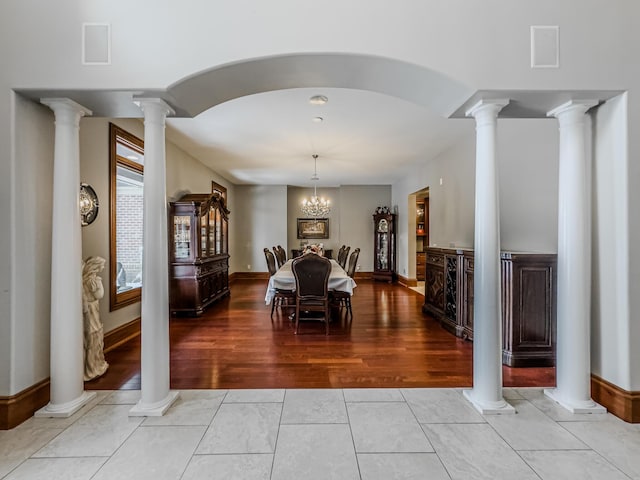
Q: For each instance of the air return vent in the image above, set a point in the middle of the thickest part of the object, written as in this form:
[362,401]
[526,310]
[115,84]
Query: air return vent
[96,44]
[545,51]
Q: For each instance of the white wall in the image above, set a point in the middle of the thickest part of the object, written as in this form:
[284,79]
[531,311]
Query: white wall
[356,219]
[261,222]
[528,172]
[610,247]
[31,286]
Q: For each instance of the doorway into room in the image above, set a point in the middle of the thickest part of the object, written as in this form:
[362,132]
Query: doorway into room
[418,241]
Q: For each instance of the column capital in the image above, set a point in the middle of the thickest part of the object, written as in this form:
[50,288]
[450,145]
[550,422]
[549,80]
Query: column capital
[576,106]
[487,106]
[154,105]
[65,105]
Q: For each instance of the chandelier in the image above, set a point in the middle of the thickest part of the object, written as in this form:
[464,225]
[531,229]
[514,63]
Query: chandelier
[315,207]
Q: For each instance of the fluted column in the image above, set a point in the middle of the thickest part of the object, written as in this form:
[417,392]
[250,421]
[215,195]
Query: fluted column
[67,361]
[156,397]
[486,395]
[573,361]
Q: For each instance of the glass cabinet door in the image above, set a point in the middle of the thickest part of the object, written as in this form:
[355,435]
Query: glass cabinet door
[213,225]
[182,236]
[204,233]
[223,235]
[383,244]
[218,232]
[383,251]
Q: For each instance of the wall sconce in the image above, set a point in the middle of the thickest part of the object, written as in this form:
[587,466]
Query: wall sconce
[88,204]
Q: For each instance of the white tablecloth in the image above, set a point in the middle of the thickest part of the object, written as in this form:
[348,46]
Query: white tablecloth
[284,279]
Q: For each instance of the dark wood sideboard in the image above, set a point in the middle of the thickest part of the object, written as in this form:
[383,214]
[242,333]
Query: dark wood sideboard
[528,292]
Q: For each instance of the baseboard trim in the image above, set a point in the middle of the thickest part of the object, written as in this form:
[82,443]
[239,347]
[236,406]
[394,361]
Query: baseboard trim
[119,335]
[248,276]
[407,282]
[17,408]
[621,403]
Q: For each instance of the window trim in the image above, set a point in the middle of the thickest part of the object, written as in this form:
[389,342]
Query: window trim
[118,135]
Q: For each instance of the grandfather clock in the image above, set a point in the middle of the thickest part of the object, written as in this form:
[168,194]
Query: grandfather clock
[384,245]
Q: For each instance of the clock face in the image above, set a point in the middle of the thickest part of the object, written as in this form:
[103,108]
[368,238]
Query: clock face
[383,226]
[88,204]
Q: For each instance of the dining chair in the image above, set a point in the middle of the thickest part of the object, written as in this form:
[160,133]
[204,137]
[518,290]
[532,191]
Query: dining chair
[311,273]
[345,254]
[343,299]
[282,298]
[278,256]
[283,254]
[340,253]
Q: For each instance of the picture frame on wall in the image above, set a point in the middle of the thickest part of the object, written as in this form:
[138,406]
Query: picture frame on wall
[313,228]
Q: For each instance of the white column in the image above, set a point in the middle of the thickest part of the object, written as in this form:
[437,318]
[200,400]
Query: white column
[486,395]
[67,361]
[156,397]
[573,361]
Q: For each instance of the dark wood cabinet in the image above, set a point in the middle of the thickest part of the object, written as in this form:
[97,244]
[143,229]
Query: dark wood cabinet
[384,245]
[198,252]
[528,291]
[528,309]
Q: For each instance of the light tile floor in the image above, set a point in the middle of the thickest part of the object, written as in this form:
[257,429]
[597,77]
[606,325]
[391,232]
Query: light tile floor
[322,434]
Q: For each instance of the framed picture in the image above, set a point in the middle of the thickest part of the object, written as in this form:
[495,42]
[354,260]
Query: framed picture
[313,228]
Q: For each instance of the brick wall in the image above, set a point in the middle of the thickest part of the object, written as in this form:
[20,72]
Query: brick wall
[129,234]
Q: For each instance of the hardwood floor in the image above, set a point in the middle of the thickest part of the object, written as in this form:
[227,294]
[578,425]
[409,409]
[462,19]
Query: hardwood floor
[389,343]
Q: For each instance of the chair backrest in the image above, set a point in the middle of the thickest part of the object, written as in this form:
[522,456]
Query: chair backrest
[311,273]
[340,253]
[278,254]
[353,261]
[271,261]
[283,254]
[345,255]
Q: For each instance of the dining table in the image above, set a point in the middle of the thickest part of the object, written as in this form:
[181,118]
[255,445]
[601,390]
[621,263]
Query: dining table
[283,279]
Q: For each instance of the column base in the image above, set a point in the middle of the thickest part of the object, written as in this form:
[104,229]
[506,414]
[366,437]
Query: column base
[489,408]
[65,410]
[154,409]
[583,406]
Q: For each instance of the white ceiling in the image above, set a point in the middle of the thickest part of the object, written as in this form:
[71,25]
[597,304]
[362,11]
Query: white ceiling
[365,138]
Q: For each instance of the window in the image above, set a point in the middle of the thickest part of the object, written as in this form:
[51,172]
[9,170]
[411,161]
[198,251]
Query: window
[126,154]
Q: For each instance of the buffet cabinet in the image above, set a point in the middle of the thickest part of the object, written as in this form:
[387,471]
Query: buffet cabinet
[198,253]
[528,293]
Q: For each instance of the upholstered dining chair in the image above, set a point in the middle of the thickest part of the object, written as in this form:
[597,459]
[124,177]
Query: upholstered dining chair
[282,298]
[343,299]
[311,273]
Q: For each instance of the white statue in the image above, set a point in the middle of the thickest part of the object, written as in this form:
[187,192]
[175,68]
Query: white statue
[92,291]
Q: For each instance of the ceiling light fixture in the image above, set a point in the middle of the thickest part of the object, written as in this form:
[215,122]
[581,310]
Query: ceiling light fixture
[317,119]
[318,100]
[315,207]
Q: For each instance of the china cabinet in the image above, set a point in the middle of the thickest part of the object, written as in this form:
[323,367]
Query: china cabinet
[384,245]
[198,253]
